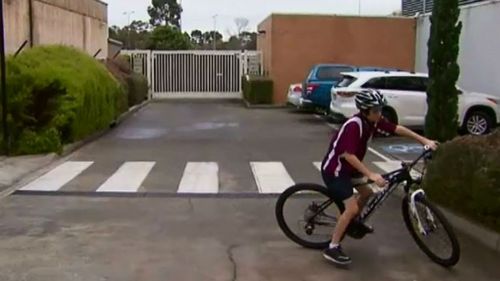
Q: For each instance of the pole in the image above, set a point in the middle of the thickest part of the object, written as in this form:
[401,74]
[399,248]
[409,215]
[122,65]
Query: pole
[3,82]
[359,7]
[128,27]
[180,19]
[215,32]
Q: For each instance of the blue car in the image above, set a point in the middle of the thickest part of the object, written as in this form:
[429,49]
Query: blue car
[322,77]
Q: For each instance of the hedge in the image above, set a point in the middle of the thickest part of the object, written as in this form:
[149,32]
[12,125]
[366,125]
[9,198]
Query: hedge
[257,89]
[58,95]
[135,85]
[464,176]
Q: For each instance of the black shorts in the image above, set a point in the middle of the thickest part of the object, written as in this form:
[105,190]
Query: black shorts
[341,188]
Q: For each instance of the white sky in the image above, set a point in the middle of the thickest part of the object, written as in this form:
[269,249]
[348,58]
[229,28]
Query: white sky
[198,14]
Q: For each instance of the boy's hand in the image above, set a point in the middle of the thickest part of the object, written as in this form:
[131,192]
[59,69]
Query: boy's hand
[430,144]
[378,179]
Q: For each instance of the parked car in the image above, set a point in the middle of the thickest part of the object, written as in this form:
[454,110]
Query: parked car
[294,94]
[407,100]
[322,77]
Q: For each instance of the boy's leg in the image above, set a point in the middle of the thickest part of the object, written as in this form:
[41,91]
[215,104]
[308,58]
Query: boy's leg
[352,209]
[334,252]
[341,190]
[365,192]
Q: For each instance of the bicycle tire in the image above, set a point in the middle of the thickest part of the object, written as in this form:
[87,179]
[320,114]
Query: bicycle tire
[455,247]
[281,220]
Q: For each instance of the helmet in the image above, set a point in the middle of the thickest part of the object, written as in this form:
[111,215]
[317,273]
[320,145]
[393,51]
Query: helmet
[368,98]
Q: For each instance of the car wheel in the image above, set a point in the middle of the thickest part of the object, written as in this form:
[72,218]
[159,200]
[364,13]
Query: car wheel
[478,123]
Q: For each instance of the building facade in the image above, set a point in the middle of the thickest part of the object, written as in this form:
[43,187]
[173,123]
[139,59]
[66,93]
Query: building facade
[412,7]
[82,24]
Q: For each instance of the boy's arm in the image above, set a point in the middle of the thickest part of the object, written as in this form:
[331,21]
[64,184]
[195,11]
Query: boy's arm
[358,165]
[405,132]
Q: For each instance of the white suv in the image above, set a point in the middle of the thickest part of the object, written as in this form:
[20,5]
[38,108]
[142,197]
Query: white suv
[407,100]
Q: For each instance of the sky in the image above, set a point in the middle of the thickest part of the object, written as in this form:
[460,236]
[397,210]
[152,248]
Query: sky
[199,14]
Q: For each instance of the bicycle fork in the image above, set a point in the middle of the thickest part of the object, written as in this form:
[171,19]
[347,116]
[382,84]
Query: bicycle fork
[413,208]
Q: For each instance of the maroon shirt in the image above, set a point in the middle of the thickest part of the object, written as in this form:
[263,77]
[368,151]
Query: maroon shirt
[352,138]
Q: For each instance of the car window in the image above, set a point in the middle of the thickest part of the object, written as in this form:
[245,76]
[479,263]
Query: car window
[346,81]
[331,72]
[375,83]
[406,83]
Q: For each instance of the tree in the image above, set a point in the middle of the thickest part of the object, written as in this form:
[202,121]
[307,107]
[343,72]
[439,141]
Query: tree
[234,43]
[209,37]
[197,37]
[443,47]
[169,38]
[133,36]
[165,12]
[241,24]
[249,40]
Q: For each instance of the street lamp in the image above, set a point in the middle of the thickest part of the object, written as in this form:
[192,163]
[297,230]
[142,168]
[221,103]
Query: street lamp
[129,13]
[215,31]
[3,82]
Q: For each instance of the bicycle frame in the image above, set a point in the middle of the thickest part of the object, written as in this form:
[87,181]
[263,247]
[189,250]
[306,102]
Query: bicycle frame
[394,178]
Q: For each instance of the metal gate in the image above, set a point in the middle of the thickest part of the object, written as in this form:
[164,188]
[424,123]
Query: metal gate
[195,74]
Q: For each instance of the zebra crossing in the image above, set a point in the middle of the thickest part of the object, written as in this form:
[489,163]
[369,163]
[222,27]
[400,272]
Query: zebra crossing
[197,178]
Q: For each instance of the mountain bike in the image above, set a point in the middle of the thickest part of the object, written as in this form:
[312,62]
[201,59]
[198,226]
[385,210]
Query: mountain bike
[313,220]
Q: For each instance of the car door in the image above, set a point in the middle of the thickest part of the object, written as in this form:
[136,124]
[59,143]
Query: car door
[407,95]
[328,77]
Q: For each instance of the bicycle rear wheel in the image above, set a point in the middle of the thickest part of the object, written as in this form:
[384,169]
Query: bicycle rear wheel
[439,242]
[295,210]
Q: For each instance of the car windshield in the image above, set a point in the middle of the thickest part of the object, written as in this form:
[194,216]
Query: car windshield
[332,72]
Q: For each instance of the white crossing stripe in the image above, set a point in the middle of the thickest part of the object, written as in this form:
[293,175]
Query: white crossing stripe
[390,166]
[128,178]
[271,177]
[200,177]
[317,165]
[59,176]
[385,158]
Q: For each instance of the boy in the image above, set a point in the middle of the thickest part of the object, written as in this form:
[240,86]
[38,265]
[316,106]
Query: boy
[342,167]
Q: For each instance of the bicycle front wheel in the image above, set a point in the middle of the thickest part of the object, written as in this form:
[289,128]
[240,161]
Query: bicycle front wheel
[435,237]
[299,216]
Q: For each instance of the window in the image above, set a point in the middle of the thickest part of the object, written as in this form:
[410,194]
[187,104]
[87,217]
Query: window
[407,83]
[375,83]
[332,72]
[346,81]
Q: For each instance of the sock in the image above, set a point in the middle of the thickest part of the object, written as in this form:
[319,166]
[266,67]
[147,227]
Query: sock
[332,245]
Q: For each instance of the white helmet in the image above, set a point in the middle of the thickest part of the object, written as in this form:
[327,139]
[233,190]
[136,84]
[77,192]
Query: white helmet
[368,98]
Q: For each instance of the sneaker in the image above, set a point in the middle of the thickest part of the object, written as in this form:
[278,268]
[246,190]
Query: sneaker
[336,255]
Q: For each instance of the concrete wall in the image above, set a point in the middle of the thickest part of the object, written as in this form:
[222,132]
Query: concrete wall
[292,44]
[264,44]
[82,24]
[479,56]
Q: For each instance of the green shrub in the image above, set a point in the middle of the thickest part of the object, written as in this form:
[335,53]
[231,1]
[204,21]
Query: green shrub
[135,85]
[58,95]
[137,89]
[465,177]
[257,90]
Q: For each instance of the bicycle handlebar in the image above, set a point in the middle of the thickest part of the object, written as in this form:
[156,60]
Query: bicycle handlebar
[427,154]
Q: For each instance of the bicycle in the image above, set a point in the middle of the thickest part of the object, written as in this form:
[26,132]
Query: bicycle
[421,217]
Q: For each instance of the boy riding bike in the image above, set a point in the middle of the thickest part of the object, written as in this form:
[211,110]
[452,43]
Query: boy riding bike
[342,167]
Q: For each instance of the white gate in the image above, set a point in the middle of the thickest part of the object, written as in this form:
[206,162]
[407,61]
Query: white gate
[196,74]
[140,61]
